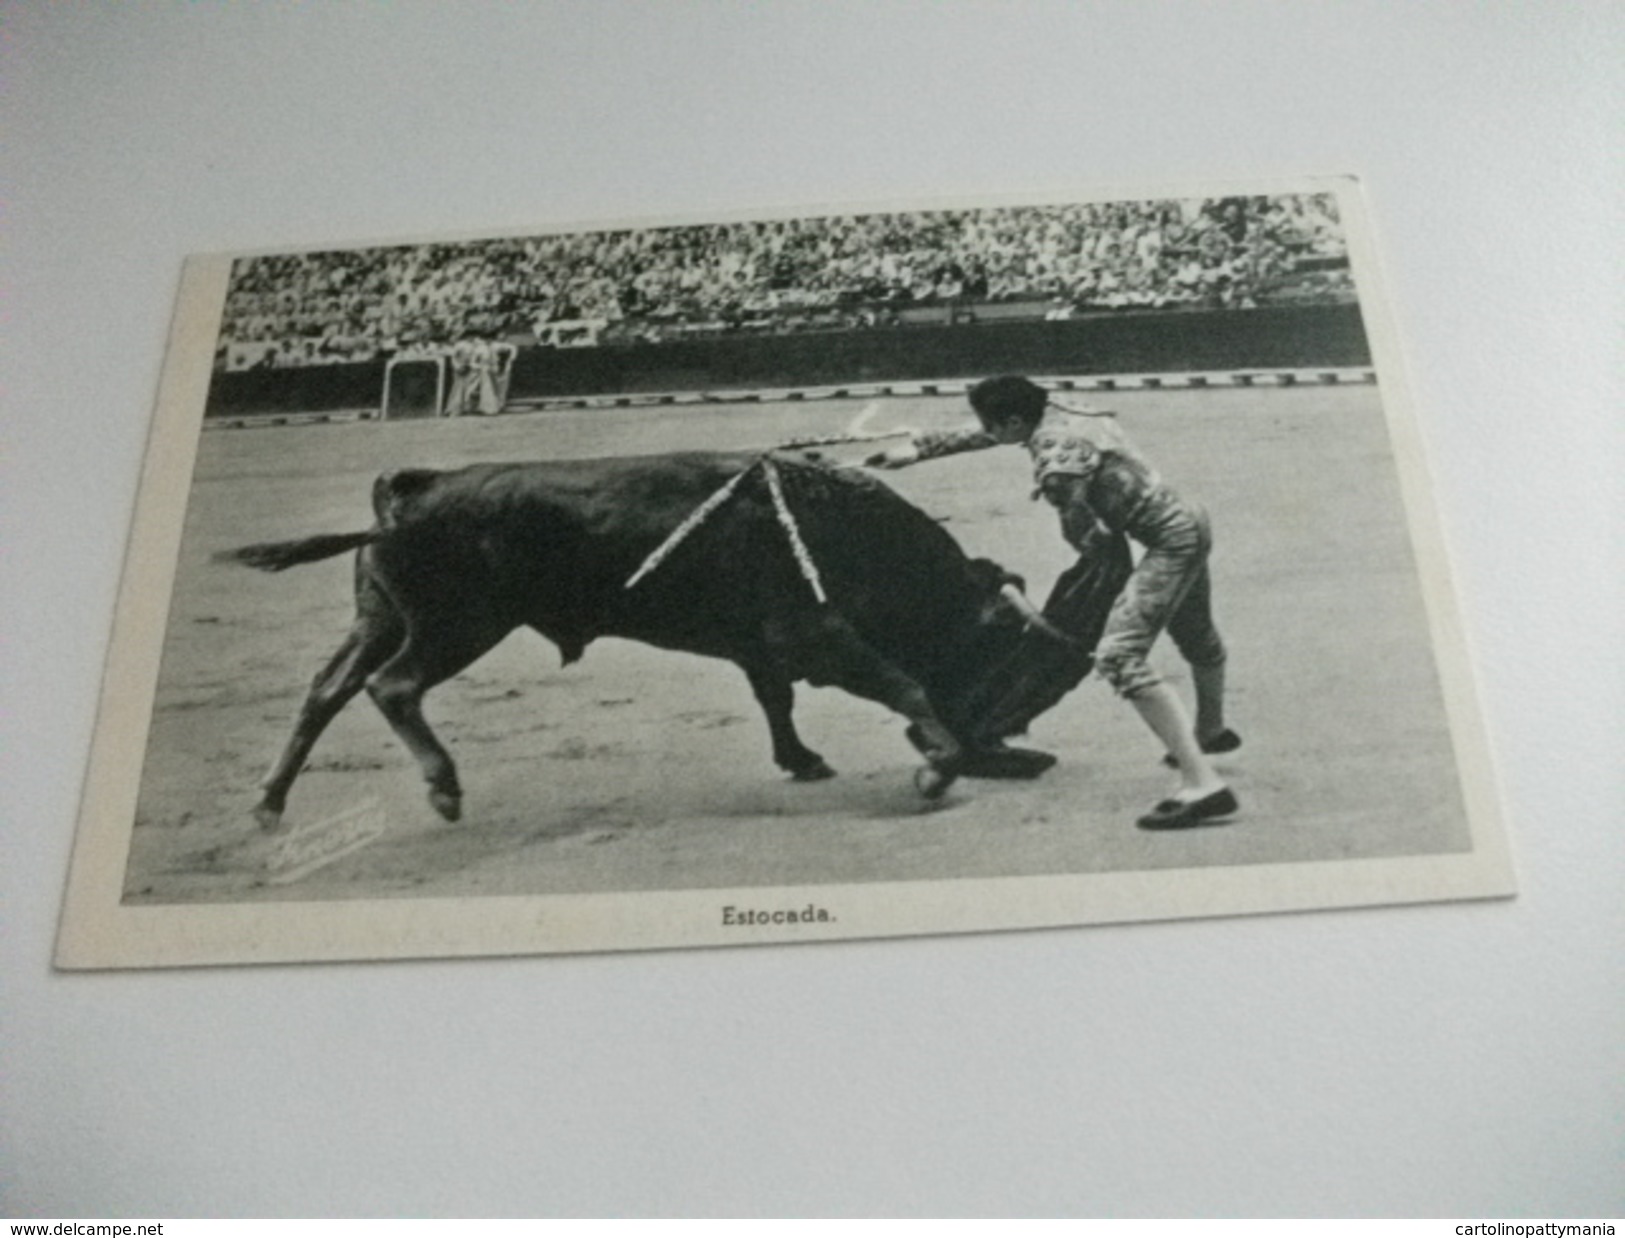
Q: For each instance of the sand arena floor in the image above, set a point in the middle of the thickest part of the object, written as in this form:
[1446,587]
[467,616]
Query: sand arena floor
[639,769]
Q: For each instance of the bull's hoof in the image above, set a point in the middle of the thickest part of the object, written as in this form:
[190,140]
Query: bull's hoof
[932,781]
[449,804]
[818,771]
[269,819]
[1002,762]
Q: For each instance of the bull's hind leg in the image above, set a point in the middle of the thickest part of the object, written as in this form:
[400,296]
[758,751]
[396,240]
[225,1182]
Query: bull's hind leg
[376,633]
[432,654]
[833,653]
[776,695]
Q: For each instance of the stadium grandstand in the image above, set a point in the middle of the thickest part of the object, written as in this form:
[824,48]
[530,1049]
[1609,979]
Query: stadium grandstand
[875,271]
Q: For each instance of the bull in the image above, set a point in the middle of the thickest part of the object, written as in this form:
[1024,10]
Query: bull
[857,589]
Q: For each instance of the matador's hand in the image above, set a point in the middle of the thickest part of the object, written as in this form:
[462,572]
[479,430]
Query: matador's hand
[894,457]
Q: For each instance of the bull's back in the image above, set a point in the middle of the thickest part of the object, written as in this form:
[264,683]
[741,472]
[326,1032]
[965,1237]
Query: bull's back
[632,502]
[555,542]
[638,502]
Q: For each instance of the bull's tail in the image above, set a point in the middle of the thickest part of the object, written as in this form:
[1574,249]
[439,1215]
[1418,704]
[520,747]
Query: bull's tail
[279,556]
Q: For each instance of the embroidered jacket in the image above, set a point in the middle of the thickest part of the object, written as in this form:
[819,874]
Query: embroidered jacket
[1085,465]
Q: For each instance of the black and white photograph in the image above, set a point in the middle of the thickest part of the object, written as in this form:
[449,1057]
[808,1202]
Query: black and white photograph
[850,573]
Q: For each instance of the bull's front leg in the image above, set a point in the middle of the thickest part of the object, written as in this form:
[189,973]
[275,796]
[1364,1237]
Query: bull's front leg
[830,651]
[776,695]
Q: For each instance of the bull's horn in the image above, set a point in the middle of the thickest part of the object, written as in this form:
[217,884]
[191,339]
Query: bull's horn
[1035,619]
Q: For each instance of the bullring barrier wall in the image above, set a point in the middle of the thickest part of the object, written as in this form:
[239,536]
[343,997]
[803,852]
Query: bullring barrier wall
[1130,343]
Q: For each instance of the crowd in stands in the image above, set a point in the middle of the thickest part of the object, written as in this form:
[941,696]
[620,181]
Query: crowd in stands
[808,273]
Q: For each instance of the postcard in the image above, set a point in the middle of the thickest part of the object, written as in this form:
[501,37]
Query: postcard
[850,572]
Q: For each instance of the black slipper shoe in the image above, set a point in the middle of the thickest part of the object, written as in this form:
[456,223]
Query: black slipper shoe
[1224,741]
[1181,814]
